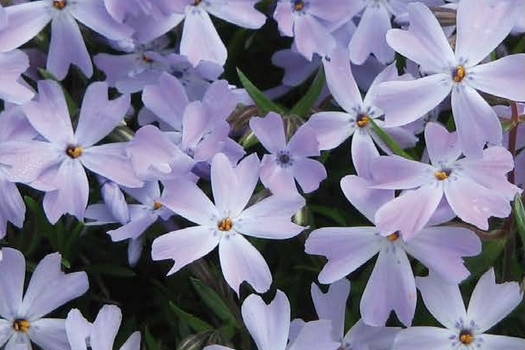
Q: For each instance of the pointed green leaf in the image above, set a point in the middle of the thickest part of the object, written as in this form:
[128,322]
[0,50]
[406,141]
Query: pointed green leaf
[213,300]
[519,217]
[394,147]
[263,103]
[307,101]
[151,344]
[192,321]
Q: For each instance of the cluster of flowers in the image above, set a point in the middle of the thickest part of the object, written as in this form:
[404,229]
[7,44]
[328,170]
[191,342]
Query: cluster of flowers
[185,139]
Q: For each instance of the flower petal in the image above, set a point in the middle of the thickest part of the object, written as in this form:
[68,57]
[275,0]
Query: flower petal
[483,310]
[269,131]
[392,271]
[332,128]
[491,341]
[424,42]
[476,122]
[12,273]
[184,246]
[410,212]
[332,304]
[428,338]
[240,261]
[49,333]
[481,26]
[442,299]
[315,335]
[309,173]
[501,77]
[105,327]
[405,101]
[346,249]
[268,324]
[67,47]
[340,80]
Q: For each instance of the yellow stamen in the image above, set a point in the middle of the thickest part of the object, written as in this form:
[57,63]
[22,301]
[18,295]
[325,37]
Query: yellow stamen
[466,337]
[21,325]
[298,5]
[74,151]
[59,4]
[458,74]
[393,237]
[157,205]
[146,59]
[225,224]
[441,175]
[362,121]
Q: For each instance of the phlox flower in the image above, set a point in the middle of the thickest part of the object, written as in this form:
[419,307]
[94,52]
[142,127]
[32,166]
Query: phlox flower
[287,161]
[456,72]
[332,306]
[199,128]
[306,21]
[200,40]
[141,216]
[226,222]
[347,248]
[12,87]
[465,329]
[22,316]
[99,335]
[333,128]
[56,163]
[475,189]
[130,72]
[374,22]
[269,326]
[67,45]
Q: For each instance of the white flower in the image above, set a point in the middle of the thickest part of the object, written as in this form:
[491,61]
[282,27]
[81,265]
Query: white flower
[489,304]
[22,317]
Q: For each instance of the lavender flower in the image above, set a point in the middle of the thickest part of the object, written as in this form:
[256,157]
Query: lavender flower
[465,329]
[475,189]
[200,40]
[226,222]
[269,325]
[66,46]
[305,21]
[458,72]
[57,165]
[287,161]
[23,316]
[99,335]
[333,128]
[439,248]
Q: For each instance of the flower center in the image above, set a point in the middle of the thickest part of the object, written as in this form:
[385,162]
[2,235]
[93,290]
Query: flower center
[442,175]
[146,58]
[21,325]
[157,205]
[284,159]
[458,74]
[466,337]
[298,5]
[59,4]
[393,237]
[362,120]
[196,2]
[225,224]
[74,151]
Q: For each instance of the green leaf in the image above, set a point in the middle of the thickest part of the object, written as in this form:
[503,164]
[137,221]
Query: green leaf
[213,300]
[306,103]
[193,322]
[519,216]
[109,270]
[331,213]
[263,103]
[151,344]
[490,251]
[394,147]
